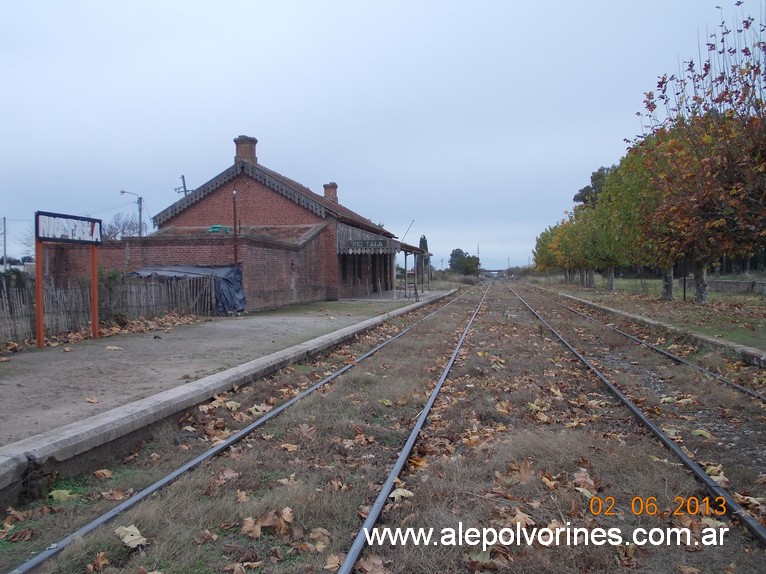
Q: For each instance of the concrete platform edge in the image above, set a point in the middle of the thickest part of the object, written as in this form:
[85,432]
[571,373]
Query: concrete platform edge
[76,438]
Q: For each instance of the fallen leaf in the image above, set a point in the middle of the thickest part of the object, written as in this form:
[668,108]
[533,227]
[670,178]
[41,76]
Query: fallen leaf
[333,562]
[372,564]
[61,495]
[479,560]
[549,482]
[251,528]
[418,462]
[276,555]
[522,518]
[117,494]
[113,348]
[307,432]
[400,493]
[280,520]
[585,492]
[130,536]
[672,432]
[503,407]
[703,433]
[99,563]
[91,400]
[583,480]
[228,474]
[711,522]
[259,409]
[525,471]
[21,535]
[103,473]
[205,537]
[290,447]
[321,538]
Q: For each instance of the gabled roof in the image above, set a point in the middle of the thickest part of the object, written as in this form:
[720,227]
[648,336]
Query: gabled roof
[285,186]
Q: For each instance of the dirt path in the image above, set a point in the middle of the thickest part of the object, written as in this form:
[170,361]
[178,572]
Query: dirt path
[45,389]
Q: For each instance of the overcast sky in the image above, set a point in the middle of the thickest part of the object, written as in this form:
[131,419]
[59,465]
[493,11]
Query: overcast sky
[478,120]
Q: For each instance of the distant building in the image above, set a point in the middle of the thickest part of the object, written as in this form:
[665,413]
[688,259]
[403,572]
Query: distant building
[293,245]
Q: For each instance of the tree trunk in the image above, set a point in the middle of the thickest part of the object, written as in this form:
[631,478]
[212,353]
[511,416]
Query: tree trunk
[667,284]
[582,277]
[590,278]
[610,279]
[700,282]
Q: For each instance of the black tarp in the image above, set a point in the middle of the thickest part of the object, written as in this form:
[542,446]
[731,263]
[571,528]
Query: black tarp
[229,294]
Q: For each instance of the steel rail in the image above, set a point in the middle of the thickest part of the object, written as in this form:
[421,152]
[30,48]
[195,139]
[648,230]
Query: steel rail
[735,509]
[57,547]
[360,541]
[752,392]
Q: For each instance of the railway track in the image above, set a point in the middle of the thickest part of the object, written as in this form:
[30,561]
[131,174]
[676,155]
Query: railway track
[665,425]
[657,349]
[471,414]
[665,352]
[222,447]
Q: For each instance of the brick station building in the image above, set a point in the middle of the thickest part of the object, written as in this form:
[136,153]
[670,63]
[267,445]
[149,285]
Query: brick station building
[293,245]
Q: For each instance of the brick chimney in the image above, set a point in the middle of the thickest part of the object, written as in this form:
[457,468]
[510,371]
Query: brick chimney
[245,149]
[331,191]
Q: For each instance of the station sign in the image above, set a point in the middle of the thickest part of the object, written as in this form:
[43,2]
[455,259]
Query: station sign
[67,228]
[367,244]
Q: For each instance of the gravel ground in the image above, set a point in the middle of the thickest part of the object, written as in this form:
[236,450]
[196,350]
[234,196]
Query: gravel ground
[45,389]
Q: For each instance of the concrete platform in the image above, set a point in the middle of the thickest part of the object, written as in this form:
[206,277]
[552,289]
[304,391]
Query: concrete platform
[55,445]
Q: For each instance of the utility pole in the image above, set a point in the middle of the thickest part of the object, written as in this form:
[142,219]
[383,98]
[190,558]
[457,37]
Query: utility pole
[182,189]
[140,203]
[5,252]
[234,201]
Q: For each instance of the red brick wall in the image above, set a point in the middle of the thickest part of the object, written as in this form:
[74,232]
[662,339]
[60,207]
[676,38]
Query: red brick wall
[256,205]
[273,274]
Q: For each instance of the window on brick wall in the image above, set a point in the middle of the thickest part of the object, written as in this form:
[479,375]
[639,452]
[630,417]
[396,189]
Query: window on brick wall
[344,267]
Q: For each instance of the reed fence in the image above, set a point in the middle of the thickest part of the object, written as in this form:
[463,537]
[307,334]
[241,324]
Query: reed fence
[67,308]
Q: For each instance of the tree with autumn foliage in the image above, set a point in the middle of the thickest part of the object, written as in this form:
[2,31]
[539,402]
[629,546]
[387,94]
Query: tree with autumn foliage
[545,252]
[567,246]
[707,157]
[626,211]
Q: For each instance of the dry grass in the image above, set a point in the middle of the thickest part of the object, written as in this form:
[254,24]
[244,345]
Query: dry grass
[516,423]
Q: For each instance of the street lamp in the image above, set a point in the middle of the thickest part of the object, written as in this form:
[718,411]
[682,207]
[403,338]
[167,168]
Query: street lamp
[140,203]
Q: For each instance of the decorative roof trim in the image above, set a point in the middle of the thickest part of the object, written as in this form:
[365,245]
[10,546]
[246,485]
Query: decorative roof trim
[255,172]
[294,195]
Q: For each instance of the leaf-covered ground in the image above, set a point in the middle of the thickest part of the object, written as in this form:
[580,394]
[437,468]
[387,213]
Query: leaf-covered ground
[521,435]
[738,318]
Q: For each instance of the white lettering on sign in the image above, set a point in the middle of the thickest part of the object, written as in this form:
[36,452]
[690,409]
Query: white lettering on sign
[366,243]
[56,227]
